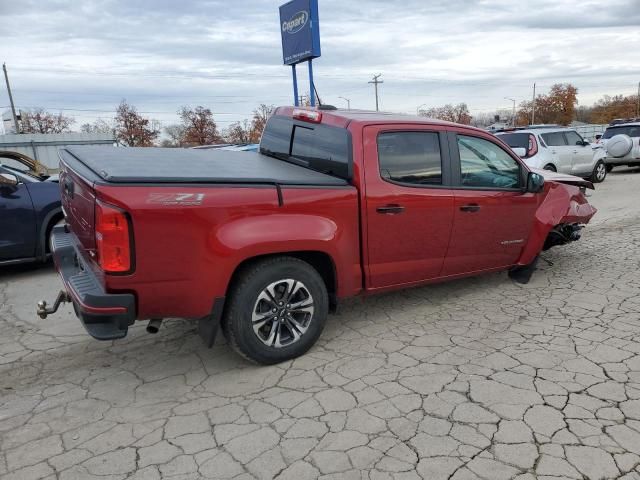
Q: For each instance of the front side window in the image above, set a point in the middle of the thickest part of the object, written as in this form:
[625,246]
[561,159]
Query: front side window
[484,164]
[573,138]
[554,139]
[410,157]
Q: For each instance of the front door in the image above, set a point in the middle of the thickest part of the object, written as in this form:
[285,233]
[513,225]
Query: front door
[409,210]
[493,215]
[561,153]
[17,222]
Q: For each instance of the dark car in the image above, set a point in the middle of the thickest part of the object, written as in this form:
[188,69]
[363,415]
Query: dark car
[29,208]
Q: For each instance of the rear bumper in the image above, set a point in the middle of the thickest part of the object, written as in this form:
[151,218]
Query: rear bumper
[105,316]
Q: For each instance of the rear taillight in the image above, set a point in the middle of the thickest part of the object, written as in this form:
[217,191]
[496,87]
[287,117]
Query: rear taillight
[533,146]
[113,239]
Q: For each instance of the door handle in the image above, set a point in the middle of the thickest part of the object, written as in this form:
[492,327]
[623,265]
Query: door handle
[391,209]
[472,207]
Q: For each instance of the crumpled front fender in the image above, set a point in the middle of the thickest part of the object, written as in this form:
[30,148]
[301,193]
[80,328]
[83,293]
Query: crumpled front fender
[561,203]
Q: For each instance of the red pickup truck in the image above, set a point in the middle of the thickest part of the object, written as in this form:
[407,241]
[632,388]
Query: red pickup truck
[335,204]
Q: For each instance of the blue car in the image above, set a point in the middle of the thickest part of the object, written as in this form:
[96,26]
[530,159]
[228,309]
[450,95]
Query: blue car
[29,208]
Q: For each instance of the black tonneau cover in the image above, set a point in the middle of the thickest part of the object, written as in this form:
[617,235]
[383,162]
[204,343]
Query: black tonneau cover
[178,165]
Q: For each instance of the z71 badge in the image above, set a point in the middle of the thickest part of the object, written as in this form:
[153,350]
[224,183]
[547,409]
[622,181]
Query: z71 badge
[185,199]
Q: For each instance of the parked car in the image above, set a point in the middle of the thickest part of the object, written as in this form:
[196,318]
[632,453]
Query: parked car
[29,208]
[336,204]
[557,149]
[621,144]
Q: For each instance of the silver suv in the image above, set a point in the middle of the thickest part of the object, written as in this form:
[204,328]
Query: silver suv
[556,148]
[621,142]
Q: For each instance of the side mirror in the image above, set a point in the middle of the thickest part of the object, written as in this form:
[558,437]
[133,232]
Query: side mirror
[584,143]
[8,180]
[535,182]
[520,151]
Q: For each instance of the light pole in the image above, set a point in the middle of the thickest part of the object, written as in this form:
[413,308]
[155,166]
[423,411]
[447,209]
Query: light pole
[419,107]
[513,117]
[348,102]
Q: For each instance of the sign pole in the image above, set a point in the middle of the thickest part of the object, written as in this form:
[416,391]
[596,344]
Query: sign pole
[295,86]
[312,90]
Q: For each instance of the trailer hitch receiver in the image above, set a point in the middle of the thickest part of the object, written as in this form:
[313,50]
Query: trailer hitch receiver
[43,310]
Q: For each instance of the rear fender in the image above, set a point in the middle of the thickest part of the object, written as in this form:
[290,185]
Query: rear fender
[245,238]
[562,203]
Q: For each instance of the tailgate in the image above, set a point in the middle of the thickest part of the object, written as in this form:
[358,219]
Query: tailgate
[78,203]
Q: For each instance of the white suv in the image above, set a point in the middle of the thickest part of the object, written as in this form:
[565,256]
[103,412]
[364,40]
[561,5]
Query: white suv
[558,149]
[621,142]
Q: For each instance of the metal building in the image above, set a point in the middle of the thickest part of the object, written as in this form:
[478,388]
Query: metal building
[43,147]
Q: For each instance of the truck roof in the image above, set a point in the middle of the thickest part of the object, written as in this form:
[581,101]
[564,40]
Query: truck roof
[177,165]
[341,117]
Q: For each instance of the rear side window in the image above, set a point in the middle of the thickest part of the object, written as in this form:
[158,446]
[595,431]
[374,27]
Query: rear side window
[319,147]
[515,140]
[554,139]
[573,138]
[410,157]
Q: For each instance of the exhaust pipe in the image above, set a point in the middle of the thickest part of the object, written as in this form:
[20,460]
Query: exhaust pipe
[154,325]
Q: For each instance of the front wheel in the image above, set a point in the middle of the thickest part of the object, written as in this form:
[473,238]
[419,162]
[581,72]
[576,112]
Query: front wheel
[277,310]
[599,172]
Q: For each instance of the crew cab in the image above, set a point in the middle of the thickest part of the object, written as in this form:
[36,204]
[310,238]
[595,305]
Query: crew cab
[335,204]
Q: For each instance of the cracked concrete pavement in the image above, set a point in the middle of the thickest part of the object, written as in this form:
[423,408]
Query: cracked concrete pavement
[480,378]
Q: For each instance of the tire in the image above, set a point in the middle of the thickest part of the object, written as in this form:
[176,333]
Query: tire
[609,168]
[599,172]
[550,167]
[259,334]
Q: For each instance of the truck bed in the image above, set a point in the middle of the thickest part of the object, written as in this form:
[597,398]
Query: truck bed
[177,165]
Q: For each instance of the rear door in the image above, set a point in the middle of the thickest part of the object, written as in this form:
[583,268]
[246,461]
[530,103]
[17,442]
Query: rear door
[408,207]
[493,216]
[562,154]
[582,159]
[17,220]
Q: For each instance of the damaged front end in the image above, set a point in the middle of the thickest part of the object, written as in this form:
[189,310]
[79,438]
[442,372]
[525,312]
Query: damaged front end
[561,215]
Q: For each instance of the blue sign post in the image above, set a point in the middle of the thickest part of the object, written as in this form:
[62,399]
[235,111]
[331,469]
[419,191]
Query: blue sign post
[300,31]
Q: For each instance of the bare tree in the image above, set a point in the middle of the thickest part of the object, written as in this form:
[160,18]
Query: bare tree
[199,126]
[132,129]
[239,132]
[451,113]
[175,134]
[41,121]
[99,126]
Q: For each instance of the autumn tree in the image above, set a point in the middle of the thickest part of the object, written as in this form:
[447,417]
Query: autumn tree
[239,132]
[260,117]
[199,127]
[133,129]
[451,113]
[99,126]
[558,106]
[609,108]
[41,121]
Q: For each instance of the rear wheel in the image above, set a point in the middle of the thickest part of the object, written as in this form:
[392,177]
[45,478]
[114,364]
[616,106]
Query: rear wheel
[277,310]
[550,167]
[599,172]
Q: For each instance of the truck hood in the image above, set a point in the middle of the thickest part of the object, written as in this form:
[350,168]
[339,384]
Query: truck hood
[550,176]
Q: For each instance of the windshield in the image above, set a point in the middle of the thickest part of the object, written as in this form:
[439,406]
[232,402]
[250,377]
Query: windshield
[322,148]
[631,130]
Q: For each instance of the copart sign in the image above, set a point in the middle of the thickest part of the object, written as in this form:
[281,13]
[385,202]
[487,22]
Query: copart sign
[300,31]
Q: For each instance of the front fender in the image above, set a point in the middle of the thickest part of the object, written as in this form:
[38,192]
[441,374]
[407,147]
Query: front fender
[562,203]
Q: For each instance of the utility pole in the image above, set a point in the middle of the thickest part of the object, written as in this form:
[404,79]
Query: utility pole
[348,102]
[513,117]
[533,105]
[13,108]
[638,107]
[375,82]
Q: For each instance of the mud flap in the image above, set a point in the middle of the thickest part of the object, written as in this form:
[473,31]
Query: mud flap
[208,326]
[523,274]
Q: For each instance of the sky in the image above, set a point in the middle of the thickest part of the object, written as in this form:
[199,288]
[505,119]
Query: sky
[83,58]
